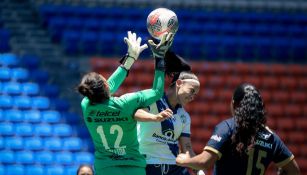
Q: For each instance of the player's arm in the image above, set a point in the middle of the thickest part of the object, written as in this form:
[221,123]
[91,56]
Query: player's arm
[142,115]
[202,161]
[134,50]
[290,168]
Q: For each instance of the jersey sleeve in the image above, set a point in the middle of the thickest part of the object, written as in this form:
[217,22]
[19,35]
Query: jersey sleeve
[220,135]
[186,132]
[116,79]
[282,154]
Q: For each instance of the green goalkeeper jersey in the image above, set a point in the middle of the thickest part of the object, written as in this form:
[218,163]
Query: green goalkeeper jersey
[111,123]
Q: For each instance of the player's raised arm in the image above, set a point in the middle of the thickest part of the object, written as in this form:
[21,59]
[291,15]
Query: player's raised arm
[134,49]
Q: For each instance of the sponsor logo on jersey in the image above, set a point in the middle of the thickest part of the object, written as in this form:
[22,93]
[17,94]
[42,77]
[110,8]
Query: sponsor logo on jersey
[264,136]
[216,138]
[116,119]
[264,144]
[107,113]
[164,139]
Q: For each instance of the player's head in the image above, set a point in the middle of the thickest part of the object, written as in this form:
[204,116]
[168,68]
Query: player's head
[95,87]
[185,83]
[248,110]
[85,170]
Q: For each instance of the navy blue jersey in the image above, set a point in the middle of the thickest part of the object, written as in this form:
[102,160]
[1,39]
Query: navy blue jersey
[268,148]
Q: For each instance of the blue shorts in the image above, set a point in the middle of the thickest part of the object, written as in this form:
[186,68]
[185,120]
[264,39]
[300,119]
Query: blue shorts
[166,169]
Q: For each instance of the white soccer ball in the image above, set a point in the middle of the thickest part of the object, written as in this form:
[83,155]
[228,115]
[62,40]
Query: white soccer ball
[160,21]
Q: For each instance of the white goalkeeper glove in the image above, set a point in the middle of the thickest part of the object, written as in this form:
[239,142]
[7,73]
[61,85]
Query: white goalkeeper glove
[201,172]
[159,50]
[134,49]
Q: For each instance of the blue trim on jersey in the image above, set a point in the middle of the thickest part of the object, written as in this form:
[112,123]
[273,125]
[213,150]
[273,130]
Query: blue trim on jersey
[167,127]
[185,135]
[170,106]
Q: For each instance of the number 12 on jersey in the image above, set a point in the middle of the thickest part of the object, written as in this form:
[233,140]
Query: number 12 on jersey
[114,129]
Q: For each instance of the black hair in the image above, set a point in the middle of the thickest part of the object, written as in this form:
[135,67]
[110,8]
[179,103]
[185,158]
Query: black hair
[84,165]
[95,87]
[250,116]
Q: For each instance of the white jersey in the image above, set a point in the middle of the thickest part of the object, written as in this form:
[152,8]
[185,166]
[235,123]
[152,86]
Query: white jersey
[159,140]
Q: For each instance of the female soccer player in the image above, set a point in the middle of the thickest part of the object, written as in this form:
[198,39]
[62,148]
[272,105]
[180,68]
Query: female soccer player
[243,145]
[160,141]
[85,170]
[110,120]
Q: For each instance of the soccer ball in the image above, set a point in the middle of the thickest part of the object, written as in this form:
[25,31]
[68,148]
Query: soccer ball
[160,21]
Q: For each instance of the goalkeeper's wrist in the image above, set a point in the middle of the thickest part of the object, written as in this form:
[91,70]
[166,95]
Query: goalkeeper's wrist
[159,64]
[128,61]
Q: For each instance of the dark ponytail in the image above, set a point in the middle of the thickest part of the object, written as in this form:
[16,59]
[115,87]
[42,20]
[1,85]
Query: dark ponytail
[95,87]
[250,116]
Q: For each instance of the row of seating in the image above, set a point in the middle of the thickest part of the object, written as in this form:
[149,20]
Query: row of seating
[4,40]
[38,170]
[54,143]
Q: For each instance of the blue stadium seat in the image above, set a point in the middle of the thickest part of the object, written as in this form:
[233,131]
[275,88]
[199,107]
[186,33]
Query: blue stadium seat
[15,170]
[92,25]
[44,157]
[13,115]
[9,60]
[43,130]
[72,144]
[30,62]
[24,129]
[4,40]
[53,144]
[24,157]
[75,24]
[62,130]
[71,41]
[40,76]
[54,170]
[84,158]
[1,143]
[22,102]
[5,74]
[51,116]
[41,103]
[6,129]
[106,37]
[6,102]
[34,170]
[60,105]
[71,170]
[64,158]
[30,89]
[55,28]
[20,74]
[11,88]
[89,43]
[7,157]
[72,117]
[51,90]
[33,144]
[32,116]
[2,170]
[14,143]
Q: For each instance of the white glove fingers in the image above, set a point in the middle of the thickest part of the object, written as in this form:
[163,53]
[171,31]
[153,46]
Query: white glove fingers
[151,43]
[129,35]
[143,47]
[134,36]
[139,40]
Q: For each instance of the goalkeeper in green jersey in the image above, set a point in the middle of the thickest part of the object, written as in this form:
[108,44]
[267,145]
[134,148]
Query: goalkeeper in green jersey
[110,120]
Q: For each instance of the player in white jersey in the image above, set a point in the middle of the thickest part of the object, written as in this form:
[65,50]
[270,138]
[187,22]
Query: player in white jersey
[161,142]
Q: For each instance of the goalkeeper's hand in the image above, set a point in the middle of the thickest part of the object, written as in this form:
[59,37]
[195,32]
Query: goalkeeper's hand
[134,49]
[159,50]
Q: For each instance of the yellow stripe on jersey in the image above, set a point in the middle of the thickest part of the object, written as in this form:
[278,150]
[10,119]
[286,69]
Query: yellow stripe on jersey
[211,149]
[285,162]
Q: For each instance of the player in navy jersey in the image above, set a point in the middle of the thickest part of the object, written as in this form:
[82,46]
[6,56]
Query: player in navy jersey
[243,144]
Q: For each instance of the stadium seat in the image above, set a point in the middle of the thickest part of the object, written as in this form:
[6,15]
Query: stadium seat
[83,158]
[6,102]
[89,43]
[5,37]
[32,116]
[6,129]
[2,170]
[41,103]
[30,89]
[24,157]
[44,157]
[24,129]
[30,62]
[40,76]
[71,41]
[1,143]
[72,144]
[5,74]
[285,124]
[64,158]
[13,115]
[71,170]
[60,104]
[51,116]
[53,144]
[43,130]
[11,88]
[15,169]
[62,130]
[72,117]
[14,143]
[9,60]
[34,169]
[33,144]
[51,90]
[20,74]
[54,170]
[22,102]
[7,157]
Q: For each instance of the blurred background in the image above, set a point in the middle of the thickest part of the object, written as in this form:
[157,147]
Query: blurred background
[47,45]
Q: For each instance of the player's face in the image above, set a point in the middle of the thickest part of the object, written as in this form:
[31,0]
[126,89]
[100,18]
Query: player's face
[85,171]
[186,91]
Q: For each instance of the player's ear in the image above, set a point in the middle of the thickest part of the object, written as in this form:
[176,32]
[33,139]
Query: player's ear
[179,82]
